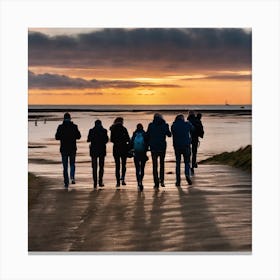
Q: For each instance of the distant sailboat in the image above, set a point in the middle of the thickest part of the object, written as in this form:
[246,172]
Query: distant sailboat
[226,103]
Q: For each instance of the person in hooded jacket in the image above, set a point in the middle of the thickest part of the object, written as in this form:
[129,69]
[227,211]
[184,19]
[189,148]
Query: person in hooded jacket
[68,133]
[121,144]
[195,134]
[181,133]
[97,136]
[140,146]
[157,131]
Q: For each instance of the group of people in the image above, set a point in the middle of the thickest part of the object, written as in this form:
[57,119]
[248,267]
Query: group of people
[185,135]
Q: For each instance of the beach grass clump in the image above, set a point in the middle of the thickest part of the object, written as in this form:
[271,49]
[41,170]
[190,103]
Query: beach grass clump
[242,158]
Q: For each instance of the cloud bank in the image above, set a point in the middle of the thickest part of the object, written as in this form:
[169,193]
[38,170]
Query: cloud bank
[160,49]
[54,81]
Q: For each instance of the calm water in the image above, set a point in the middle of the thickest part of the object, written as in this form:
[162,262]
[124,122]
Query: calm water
[223,132]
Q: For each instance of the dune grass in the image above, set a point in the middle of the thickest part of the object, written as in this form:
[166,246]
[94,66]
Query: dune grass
[242,158]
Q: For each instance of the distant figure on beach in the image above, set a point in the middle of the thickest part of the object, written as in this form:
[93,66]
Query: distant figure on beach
[156,135]
[121,141]
[97,136]
[181,133]
[140,146]
[35,122]
[196,133]
[68,133]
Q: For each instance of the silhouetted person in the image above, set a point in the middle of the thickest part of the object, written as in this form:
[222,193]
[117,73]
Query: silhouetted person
[97,136]
[196,133]
[156,135]
[181,133]
[68,133]
[139,145]
[121,141]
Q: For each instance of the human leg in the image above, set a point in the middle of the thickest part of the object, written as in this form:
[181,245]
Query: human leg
[101,170]
[123,159]
[72,166]
[155,168]
[64,158]
[161,171]
[194,152]
[187,155]
[117,168]
[178,167]
[94,170]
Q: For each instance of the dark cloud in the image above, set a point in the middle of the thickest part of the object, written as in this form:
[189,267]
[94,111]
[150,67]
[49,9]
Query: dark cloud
[158,48]
[54,81]
[230,77]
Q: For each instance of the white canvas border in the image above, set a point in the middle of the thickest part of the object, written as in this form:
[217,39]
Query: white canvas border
[18,16]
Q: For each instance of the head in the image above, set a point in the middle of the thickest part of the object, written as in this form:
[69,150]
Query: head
[67,116]
[179,117]
[98,123]
[157,116]
[118,120]
[139,126]
[191,113]
[199,115]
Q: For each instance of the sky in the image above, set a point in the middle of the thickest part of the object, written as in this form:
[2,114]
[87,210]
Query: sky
[139,66]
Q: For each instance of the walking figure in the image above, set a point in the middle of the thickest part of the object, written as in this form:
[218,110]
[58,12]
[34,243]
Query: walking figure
[139,145]
[157,131]
[97,136]
[68,133]
[121,141]
[195,134]
[181,133]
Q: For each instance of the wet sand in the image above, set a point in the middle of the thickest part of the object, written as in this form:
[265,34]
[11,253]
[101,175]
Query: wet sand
[214,215]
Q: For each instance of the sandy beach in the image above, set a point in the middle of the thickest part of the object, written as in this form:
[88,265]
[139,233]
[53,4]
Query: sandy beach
[214,215]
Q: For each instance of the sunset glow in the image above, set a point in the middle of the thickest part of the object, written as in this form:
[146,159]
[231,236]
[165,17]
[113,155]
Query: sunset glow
[139,66]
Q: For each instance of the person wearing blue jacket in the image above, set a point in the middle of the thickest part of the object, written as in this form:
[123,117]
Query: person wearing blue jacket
[157,131]
[181,132]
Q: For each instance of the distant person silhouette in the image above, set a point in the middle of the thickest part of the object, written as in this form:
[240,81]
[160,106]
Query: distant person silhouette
[181,133]
[157,131]
[139,146]
[121,141]
[68,133]
[196,133]
[97,136]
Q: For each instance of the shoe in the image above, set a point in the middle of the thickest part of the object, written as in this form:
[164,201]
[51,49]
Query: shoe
[192,171]
[177,184]
[123,183]
[118,185]
[162,184]
[95,186]
[141,188]
[101,184]
[189,180]
[195,165]
[66,186]
[156,187]
[73,181]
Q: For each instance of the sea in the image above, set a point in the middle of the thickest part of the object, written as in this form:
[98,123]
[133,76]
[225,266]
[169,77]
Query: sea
[227,128]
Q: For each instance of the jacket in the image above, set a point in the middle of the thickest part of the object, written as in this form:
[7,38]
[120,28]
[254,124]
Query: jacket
[67,133]
[181,132]
[120,139]
[97,136]
[156,134]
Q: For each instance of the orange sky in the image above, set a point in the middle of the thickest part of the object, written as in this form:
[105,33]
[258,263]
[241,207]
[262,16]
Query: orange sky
[58,77]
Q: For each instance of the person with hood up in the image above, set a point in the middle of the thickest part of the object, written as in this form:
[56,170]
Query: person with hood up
[181,133]
[139,146]
[157,131]
[121,143]
[98,138]
[68,133]
[195,134]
